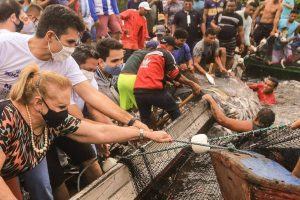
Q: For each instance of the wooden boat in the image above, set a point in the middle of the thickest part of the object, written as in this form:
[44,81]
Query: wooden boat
[246,177]
[257,67]
[117,183]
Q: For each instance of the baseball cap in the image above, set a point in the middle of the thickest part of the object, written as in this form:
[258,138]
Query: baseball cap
[152,44]
[144,5]
[160,29]
[168,40]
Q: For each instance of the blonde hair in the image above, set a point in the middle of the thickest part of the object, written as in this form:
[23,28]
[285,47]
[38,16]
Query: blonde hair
[32,81]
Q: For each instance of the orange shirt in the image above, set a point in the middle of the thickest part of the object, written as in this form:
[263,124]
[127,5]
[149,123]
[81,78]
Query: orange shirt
[135,30]
[267,99]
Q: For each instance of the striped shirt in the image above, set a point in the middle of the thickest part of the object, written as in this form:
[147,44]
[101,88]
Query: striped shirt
[229,23]
[106,7]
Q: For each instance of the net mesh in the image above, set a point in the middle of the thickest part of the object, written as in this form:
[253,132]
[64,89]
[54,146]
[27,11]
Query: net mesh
[279,144]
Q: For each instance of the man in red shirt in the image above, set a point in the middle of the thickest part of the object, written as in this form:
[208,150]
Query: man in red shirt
[265,90]
[157,67]
[134,28]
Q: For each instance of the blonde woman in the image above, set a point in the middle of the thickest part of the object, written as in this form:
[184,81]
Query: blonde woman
[37,113]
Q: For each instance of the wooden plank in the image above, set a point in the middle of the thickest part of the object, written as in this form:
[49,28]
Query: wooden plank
[107,185]
[242,176]
[127,192]
[117,184]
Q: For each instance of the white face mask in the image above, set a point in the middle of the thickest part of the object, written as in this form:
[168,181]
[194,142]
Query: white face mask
[63,54]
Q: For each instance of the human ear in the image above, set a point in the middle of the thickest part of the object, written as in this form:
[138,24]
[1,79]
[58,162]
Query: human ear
[101,63]
[50,36]
[38,104]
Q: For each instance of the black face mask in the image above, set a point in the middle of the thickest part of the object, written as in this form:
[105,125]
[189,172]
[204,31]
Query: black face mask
[19,26]
[54,119]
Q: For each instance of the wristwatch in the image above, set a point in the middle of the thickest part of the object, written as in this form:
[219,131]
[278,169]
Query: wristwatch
[131,122]
[141,137]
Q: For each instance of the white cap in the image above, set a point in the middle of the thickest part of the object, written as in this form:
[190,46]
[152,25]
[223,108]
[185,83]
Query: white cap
[145,5]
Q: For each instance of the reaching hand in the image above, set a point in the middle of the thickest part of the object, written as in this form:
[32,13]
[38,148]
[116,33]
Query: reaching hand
[196,89]
[160,136]
[140,125]
[296,124]
[191,68]
[273,32]
[218,29]
[183,67]
[242,48]
[103,150]
[207,97]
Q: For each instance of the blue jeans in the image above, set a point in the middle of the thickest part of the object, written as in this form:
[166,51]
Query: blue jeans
[37,182]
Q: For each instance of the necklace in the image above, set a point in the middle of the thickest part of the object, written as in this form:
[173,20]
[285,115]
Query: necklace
[45,146]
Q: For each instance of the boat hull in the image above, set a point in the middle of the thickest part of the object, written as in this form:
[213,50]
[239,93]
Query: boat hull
[246,177]
[256,68]
[118,183]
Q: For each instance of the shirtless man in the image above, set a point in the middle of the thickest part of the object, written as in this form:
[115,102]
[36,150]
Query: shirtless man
[271,10]
[264,118]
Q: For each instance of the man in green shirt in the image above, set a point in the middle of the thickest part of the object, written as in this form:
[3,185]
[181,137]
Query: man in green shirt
[128,75]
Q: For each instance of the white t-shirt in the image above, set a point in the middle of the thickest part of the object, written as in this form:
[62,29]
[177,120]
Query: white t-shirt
[76,98]
[15,55]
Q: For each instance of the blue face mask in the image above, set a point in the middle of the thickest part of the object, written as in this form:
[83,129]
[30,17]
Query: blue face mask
[114,71]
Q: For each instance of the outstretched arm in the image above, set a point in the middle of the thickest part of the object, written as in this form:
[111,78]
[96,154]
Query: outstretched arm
[197,60]
[105,134]
[105,105]
[195,87]
[222,119]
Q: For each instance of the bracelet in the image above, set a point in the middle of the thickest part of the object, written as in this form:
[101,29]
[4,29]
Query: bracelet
[141,137]
[131,122]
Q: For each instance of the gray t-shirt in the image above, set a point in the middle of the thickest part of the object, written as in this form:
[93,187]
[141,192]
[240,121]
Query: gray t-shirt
[207,52]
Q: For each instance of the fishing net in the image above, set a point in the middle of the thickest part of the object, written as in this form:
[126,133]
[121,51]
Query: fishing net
[156,162]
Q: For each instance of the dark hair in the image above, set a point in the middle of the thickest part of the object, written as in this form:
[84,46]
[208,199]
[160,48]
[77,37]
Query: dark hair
[86,35]
[83,52]
[181,34]
[253,4]
[274,81]
[7,8]
[105,45]
[58,18]
[265,117]
[210,31]
[34,6]
[294,12]
[188,1]
[227,1]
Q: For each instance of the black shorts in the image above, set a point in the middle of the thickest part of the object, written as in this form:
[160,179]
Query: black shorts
[230,46]
[78,153]
[145,99]
[262,31]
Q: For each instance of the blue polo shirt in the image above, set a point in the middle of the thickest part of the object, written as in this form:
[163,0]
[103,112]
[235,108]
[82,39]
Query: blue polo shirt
[291,27]
[182,55]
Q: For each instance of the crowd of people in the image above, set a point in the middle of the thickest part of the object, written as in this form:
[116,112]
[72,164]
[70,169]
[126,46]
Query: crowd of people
[80,69]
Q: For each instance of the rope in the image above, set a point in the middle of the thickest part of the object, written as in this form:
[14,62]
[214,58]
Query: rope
[153,152]
[84,169]
[229,147]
